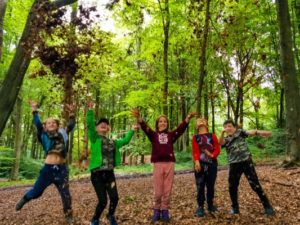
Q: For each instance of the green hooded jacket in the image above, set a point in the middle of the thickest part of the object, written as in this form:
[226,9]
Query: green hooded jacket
[96,143]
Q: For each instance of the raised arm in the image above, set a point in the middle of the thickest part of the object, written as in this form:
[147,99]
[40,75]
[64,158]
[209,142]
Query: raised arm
[181,128]
[222,139]
[125,140]
[262,133]
[148,131]
[90,119]
[71,123]
[36,119]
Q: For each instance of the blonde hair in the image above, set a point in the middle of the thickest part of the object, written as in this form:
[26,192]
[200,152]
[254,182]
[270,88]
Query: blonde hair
[52,118]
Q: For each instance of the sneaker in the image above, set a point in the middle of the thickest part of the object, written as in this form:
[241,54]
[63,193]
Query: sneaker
[212,209]
[21,203]
[269,211]
[165,215]
[200,212]
[69,217]
[234,211]
[156,215]
[112,219]
[94,222]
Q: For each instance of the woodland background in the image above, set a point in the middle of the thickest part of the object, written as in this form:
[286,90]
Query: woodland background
[223,59]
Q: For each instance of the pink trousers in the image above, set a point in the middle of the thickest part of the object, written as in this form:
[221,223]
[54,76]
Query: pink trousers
[163,176]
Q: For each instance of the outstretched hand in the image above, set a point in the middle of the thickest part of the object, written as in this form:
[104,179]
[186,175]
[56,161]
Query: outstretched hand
[190,116]
[135,113]
[70,108]
[90,104]
[33,104]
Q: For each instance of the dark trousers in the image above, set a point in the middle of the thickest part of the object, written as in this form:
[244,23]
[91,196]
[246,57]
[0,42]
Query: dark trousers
[206,177]
[104,183]
[52,174]
[235,172]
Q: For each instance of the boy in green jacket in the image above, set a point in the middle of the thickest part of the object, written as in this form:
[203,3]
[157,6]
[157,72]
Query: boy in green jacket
[105,155]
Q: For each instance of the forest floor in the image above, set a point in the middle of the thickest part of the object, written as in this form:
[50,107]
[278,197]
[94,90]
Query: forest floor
[135,205]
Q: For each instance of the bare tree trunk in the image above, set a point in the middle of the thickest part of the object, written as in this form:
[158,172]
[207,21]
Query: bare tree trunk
[166,25]
[212,103]
[18,139]
[3,4]
[290,83]
[202,58]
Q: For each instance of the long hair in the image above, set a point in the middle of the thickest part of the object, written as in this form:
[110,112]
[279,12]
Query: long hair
[156,122]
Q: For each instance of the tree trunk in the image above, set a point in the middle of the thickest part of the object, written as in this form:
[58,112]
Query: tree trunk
[3,4]
[202,58]
[166,25]
[14,77]
[212,103]
[281,109]
[18,139]
[206,102]
[290,83]
[296,6]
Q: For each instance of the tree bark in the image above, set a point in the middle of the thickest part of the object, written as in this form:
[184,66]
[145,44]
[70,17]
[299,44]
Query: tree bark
[166,25]
[290,83]
[202,58]
[3,4]
[18,139]
[14,77]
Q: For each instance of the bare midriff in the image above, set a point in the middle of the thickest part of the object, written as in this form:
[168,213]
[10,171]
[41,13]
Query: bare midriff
[54,158]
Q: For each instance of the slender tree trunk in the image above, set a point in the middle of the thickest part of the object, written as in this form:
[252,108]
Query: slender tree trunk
[296,6]
[212,103]
[206,101]
[18,139]
[202,58]
[294,32]
[290,83]
[166,25]
[3,4]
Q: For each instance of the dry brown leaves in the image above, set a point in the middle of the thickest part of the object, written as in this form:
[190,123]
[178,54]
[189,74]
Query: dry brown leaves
[135,205]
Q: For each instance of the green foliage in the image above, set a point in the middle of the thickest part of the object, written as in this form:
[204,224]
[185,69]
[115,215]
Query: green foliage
[29,168]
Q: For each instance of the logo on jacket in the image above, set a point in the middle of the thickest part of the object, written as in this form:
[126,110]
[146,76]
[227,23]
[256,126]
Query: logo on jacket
[163,138]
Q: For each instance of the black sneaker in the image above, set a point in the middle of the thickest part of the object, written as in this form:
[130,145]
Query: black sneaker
[234,211]
[269,211]
[21,203]
[212,209]
[200,212]
[95,222]
[69,216]
[112,219]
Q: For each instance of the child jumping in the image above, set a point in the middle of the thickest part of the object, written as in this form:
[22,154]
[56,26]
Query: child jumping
[240,162]
[54,141]
[163,158]
[206,149]
[105,155]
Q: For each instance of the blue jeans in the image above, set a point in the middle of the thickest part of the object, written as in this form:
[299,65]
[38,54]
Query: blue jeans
[52,174]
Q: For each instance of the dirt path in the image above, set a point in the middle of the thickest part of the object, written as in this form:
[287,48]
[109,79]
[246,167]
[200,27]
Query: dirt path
[135,205]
